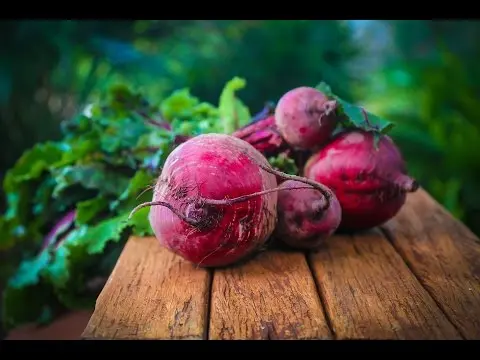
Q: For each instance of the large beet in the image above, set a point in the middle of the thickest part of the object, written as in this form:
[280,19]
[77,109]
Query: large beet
[370,182]
[193,212]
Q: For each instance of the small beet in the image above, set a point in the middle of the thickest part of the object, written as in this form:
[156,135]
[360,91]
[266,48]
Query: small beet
[370,181]
[305,117]
[303,221]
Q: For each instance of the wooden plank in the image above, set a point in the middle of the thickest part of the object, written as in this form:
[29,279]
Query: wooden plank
[270,297]
[151,294]
[444,255]
[369,292]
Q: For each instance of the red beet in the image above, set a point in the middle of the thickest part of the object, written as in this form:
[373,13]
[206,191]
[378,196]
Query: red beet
[195,219]
[302,220]
[370,183]
[305,117]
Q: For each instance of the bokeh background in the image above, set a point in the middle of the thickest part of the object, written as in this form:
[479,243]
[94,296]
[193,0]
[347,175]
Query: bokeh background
[422,75]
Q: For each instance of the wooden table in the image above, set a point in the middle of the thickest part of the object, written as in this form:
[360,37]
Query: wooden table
[418,277]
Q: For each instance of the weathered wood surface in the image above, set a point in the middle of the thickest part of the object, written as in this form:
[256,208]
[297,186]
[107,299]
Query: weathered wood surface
[151,294]
[271,297]
[370,293]
[415,278]
[445,257]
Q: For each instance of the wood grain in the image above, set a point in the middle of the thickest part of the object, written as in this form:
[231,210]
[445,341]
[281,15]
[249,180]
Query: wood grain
[151,294]
[444,255]
[370,293]
[271,297]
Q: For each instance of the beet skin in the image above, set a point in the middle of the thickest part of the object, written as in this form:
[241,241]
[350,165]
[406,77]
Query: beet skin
[303,222]
[370,183]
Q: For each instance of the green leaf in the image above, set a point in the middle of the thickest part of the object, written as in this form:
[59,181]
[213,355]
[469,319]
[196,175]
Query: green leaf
[123,100]
[141,224]
[57,271]
[205,110]
[325,88]
[94,177]
[122,134]
[78,149]
[32,164]
[42,196]
[153,148]
[13,232]
[77,246]
[157,138]
[284,163]
[355,116]
[178,105]
[98,236]
[233,112]
[30,271]
[130,197]
[87,210]
[18,202]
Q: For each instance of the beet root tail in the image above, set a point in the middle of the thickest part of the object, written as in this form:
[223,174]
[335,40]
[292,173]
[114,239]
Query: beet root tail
[407,183]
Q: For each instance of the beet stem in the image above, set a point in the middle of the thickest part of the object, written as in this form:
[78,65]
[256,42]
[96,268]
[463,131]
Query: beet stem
[211,202]
[168,206]
[329,107]
[367,120]
[406,183]
[249,196]
[322,188]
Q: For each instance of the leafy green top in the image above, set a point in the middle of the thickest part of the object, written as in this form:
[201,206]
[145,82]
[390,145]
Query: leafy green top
[68,201]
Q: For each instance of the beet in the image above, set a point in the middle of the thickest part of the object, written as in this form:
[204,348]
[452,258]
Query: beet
[303,221]
[195,218]
[370,182]
[305,117]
